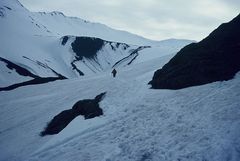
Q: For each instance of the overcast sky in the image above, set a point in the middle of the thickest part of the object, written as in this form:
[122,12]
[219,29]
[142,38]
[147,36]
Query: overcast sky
[154,19]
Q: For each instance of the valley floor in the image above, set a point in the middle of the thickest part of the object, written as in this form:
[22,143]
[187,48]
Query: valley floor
[194,124]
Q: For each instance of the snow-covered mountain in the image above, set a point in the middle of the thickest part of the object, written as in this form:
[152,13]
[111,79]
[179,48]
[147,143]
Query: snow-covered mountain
[34,41]
[57,24]
[135,123]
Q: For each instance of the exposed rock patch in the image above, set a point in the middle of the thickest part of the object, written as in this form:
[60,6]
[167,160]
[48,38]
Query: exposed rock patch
[86,47]
[34,81]
[215,58]
[24,72]
[20,70]
[89,108]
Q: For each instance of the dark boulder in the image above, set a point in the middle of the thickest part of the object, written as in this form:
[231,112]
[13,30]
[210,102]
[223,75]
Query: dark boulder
[215,58]
[89,108]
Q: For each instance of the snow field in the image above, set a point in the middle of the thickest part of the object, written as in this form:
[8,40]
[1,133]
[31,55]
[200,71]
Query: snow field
[197,123]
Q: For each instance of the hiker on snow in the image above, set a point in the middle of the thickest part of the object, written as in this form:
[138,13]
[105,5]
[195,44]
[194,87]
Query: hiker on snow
[114,72]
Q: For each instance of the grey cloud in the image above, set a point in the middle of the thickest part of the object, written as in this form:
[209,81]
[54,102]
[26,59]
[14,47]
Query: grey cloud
[234,3]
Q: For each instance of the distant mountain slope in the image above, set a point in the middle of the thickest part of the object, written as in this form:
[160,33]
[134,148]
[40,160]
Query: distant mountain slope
[216,58]
[12,12]
[52,44]
[92,55]
[15,17]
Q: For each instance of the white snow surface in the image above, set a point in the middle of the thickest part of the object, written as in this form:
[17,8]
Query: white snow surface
[194,124]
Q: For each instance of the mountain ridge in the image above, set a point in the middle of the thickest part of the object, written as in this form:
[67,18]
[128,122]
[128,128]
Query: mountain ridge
[215,58]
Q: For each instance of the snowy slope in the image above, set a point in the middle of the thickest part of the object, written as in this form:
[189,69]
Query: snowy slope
[33,41]
[58,25]
[194,124]
[9,74]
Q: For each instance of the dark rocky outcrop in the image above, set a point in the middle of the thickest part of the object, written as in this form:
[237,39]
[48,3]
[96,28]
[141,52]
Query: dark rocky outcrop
[24,72]
[20,70]
[86,47]
[59,122]
[215,58]
[34,81]
[89,108]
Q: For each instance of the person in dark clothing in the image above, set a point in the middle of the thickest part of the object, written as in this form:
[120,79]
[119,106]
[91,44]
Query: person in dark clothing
[114,72]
